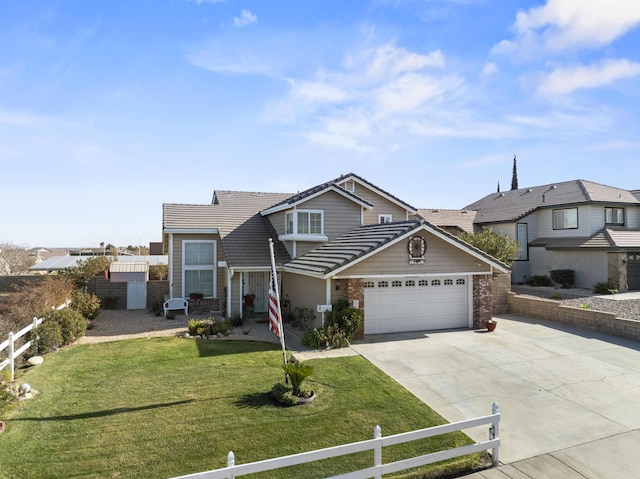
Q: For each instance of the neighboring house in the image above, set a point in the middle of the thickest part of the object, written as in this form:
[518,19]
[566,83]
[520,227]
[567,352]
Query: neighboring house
[344,239]
[587,227]
[453,221]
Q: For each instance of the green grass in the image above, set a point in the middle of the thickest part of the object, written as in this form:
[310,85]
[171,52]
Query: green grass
[164,407]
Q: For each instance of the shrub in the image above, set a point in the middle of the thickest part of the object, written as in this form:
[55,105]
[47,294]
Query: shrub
[539,280]
[236,320]
[343,318]
[315,338]
[72,324]
[283,394]
[564,277]
[605,288]
[87,304]
[47,337]
[197,327]
[223,326]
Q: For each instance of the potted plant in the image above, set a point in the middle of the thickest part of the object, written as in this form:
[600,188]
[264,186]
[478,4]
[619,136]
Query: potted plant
[491,324]
[248,299]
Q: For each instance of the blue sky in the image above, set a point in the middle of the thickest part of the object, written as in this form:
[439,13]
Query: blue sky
[110,109]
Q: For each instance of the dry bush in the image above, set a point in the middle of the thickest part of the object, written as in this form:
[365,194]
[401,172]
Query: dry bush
[17,309]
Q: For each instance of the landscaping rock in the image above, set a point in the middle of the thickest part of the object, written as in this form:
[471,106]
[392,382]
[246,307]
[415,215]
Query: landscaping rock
[35,360]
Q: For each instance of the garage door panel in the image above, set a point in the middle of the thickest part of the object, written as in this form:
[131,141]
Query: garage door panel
[416,308]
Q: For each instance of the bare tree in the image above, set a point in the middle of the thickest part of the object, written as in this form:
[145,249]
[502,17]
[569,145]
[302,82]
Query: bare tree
[15,260]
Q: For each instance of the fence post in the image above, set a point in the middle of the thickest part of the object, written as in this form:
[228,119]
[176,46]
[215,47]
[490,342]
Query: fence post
[34,334]
[494,432]
[231,462]
[11,365]
[377,451]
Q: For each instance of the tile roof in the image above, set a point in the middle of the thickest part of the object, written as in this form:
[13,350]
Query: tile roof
[363,241]
[461,219]
[236,216]
[298,197]
[511,205]
[349,176]
[607,238]
[349,247]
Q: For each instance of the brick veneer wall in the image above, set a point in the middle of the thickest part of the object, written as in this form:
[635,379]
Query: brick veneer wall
[551,310]
[355,292]
[500,286]
[482,300]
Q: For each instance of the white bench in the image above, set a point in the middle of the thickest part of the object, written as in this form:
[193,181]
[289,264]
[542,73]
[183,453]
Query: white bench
[176,303]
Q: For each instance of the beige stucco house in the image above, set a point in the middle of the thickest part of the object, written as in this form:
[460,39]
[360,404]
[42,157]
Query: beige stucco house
[343,239]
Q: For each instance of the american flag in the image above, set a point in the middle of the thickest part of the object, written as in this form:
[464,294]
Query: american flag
[275,323]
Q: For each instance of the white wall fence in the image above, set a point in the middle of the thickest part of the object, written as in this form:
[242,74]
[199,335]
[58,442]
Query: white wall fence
[376,444]
[13,353]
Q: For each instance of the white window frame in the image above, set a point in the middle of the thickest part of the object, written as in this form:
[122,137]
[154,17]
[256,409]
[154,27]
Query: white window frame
[292,226]
[199,267]
[382,219]
[350,186]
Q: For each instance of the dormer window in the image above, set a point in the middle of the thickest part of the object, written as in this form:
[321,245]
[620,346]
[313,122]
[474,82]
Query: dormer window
[614,216]
[350,186]
[304,225]
[385,219]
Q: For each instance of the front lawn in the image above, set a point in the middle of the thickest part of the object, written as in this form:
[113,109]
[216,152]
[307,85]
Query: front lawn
[163,407]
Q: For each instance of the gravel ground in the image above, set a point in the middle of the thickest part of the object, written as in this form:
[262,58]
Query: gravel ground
[628,309]
[114,325]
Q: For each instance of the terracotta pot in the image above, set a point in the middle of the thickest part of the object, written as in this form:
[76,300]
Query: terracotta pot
[491,325]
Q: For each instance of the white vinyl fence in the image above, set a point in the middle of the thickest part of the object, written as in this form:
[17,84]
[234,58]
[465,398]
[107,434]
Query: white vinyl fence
[9,344]
[376,444]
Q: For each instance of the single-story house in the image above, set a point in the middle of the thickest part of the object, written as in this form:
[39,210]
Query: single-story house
[343,239]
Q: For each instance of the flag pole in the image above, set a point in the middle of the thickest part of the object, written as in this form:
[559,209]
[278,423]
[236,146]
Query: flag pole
[279,310]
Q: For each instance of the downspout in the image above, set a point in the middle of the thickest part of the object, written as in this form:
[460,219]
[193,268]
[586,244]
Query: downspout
[171,260]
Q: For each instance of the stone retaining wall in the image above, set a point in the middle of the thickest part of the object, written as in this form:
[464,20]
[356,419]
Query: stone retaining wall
[585,318]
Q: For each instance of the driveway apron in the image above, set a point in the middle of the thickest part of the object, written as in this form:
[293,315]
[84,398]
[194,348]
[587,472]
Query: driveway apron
[560,389]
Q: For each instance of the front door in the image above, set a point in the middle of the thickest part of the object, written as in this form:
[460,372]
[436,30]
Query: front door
[633,271]
[257,282]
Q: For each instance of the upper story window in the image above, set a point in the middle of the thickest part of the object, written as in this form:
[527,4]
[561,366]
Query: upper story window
[350,186]
[304,222]
[614,216]
[385,219]
[565,219]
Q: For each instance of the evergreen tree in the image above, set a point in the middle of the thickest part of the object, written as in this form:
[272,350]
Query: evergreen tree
[514,178]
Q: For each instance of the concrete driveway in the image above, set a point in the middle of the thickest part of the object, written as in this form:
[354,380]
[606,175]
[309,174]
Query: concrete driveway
[561,390]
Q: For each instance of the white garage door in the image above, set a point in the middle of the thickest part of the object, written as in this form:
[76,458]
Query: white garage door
[397,305]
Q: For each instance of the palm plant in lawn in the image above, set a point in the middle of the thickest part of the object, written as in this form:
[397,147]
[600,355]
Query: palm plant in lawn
[298,371]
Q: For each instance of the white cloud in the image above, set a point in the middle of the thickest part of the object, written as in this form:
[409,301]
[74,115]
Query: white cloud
[562,25]
[566,80]
[489,69]
[379,92]
[18,118]
[245,19]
